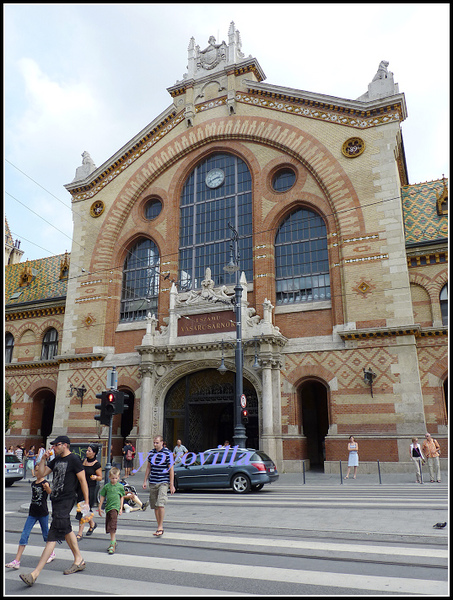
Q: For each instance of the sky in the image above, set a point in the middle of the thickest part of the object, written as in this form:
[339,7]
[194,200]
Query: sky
[89,77]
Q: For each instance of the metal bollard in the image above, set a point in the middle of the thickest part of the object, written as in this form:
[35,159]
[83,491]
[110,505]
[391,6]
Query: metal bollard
[303,470]
[379,471]
[341,475]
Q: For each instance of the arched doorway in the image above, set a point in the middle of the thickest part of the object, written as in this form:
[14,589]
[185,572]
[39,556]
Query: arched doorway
[315,420]
[44,404]
[199,410]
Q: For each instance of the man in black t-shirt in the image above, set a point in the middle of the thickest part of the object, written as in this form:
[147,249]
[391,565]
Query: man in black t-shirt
[68,471]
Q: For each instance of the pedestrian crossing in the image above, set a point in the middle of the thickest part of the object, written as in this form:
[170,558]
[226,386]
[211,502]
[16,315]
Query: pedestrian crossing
[299,578]
[221,543]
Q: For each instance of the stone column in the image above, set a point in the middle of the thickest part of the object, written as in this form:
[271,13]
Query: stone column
[145,435]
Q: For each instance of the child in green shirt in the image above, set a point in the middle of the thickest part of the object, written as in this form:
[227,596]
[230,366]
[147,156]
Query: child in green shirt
[113,493]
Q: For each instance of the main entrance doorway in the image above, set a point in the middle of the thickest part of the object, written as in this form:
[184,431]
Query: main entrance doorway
[199,410]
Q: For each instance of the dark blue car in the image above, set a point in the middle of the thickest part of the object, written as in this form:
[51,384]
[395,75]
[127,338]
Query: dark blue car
[242,469]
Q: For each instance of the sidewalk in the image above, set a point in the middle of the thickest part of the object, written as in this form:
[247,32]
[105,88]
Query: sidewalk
[320,478]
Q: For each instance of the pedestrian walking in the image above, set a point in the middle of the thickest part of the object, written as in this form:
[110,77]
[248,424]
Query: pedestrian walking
[178,451]
[67,471]
[353,458]
[431,450]
[113,493]
[159,476]
[128,458]
[93,474]
[19,452]
[416,455]
[30,462]
[38,512]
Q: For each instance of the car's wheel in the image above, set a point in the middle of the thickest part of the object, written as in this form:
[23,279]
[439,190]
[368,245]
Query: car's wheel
[257,487]
[240,484]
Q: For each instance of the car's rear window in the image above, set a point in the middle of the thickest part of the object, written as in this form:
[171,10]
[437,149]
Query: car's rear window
[9,458]
[259,455]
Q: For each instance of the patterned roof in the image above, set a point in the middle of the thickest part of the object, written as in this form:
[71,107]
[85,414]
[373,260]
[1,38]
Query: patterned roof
[43,276]
[421,219]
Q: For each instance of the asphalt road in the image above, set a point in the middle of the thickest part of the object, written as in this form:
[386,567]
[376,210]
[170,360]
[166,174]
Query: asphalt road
[322,538]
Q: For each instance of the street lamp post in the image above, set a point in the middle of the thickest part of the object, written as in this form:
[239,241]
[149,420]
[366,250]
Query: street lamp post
[239,437]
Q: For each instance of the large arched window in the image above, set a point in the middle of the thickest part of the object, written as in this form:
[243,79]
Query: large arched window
[218,191]
[9,347]
[49,344]
[301,259]
[443,298]
[140,281]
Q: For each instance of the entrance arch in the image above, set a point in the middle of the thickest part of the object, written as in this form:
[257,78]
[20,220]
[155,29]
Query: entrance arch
[315,420]
[199,410]
[43,414]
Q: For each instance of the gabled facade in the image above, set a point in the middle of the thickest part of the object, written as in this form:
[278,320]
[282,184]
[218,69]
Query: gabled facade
[317,189]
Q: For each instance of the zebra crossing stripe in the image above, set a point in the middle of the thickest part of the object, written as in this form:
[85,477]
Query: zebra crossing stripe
[247,572]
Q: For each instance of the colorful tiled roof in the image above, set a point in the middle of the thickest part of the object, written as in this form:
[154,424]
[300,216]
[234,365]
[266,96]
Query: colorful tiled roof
[421,219]
[41,280]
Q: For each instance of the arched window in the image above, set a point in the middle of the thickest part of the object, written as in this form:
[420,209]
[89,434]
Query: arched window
[218,191]
[49,344]
[140,289]
[301,259]
[9,347]
[443,298]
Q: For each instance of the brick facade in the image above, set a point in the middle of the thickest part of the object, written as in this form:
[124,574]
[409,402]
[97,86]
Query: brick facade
[383,313]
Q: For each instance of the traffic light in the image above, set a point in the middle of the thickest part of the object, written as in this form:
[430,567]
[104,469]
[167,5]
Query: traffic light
[103,418]
[110,403]
[244,416]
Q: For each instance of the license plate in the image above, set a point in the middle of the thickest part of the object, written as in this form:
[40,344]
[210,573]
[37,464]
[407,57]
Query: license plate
[271,470]
[12,470]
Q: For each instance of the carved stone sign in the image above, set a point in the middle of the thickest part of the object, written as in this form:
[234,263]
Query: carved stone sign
[217,322]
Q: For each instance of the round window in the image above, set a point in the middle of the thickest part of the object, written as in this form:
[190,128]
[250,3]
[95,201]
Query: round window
[152,209]
[283,180]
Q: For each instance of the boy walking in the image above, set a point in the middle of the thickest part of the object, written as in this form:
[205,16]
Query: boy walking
[113,493]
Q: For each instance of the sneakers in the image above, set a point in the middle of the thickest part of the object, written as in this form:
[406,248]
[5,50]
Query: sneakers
[14,564]
[51,558]
[145,505]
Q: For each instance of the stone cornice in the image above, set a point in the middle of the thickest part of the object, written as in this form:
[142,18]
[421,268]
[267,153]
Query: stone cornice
[34,313]
[388,332]
[146,138]
[55,362]
[358,108]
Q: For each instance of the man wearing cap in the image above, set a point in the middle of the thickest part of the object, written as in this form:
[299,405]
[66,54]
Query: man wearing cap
[67,471]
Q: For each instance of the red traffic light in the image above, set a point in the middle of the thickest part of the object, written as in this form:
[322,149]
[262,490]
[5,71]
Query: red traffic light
[111,397]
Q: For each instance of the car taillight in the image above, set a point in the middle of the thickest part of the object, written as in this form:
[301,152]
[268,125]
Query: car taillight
[260,466]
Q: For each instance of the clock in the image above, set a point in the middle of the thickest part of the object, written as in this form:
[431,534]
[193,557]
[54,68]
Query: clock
[215,178]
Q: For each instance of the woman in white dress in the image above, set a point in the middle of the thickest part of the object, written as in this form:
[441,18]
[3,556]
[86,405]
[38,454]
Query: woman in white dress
[353,459]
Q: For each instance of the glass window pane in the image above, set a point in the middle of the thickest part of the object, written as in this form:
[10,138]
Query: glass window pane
[140,288]
[301,259]
[204,233]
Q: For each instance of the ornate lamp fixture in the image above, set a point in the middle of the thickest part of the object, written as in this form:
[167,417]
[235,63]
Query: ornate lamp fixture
[80,392]
[369,376]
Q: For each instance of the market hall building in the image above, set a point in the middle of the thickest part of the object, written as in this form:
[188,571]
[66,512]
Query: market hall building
[343,268]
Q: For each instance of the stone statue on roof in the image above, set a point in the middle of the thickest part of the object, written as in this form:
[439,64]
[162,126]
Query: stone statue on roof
[382,84]
[86,169]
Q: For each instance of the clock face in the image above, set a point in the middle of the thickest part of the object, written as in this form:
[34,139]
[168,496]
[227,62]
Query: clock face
[215,178]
